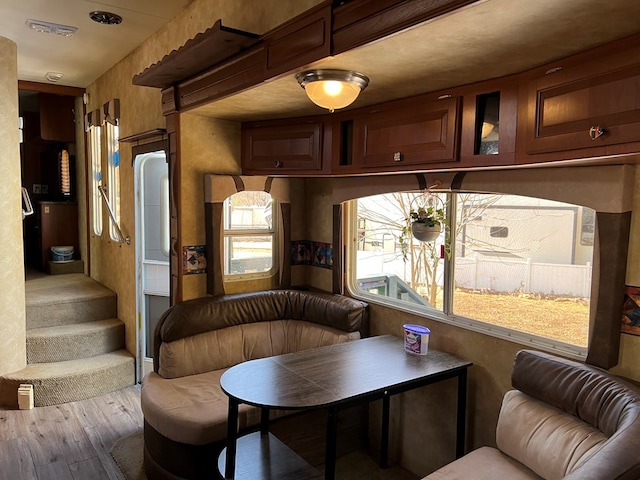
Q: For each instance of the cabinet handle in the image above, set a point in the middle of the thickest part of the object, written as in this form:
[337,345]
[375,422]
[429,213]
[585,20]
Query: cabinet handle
[397,157]
[596,132]
[277,163]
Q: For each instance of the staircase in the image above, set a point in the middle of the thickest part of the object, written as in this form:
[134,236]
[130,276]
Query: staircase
[75,343]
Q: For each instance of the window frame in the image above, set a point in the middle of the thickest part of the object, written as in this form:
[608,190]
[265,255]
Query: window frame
[446,316]
[262,232]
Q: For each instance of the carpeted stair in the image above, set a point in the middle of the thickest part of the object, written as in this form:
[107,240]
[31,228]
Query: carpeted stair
[75,345]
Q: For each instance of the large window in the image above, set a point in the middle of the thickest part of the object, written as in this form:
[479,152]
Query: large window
[249,235]
[512,266]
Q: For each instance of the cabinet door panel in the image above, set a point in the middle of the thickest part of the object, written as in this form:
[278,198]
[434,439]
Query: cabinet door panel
[566,111]
[282,148]
[408,135]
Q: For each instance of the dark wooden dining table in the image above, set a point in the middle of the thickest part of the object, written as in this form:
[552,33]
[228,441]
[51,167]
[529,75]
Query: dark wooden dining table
[332,377]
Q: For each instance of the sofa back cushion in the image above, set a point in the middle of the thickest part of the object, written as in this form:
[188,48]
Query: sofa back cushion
[201,315]
[544,438]
[225,347]
[594,398]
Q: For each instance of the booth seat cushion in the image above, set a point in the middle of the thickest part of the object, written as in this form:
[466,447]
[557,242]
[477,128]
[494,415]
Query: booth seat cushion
[186,409]
[191,409]
[485,463]
[222,348]
[546,439]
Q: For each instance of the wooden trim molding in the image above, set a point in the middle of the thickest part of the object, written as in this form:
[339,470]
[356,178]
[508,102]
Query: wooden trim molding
[205,50]
[175,210]
[50,88]
[609,268]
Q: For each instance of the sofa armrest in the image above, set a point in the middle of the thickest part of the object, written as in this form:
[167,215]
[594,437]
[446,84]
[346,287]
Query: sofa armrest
[595,397]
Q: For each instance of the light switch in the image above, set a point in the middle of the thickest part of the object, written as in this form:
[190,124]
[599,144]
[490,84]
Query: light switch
[46,209]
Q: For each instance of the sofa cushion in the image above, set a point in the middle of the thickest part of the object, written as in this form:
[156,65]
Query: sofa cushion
[191,409]
[544,438]
[205,314]
[485,463]
[229,346]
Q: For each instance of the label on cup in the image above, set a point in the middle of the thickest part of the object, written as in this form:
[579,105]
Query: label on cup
[416,339]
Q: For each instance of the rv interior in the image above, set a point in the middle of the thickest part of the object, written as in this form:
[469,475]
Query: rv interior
[201,244]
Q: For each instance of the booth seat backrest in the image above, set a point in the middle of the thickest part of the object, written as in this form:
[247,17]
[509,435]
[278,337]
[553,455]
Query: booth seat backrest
[229,346]
[570,420]
[207,314]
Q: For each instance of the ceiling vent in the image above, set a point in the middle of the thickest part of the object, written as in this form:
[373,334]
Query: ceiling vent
[106,18]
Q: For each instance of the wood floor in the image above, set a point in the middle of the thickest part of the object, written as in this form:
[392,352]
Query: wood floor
[70,441]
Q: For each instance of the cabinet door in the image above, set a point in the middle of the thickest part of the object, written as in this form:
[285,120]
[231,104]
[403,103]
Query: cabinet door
[407,135]
[57,118]
[568,110]
[280,149]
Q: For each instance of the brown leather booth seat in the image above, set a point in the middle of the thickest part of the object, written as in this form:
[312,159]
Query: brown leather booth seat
[564,420]
[185,410]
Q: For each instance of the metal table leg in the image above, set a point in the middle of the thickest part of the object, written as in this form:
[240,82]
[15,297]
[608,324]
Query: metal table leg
[331,444]
[232,439]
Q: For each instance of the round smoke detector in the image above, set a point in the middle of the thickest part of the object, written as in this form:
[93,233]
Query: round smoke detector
[106,18]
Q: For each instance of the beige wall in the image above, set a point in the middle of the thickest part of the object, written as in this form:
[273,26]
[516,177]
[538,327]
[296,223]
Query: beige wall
[12,318]
[629,365]
[215,145]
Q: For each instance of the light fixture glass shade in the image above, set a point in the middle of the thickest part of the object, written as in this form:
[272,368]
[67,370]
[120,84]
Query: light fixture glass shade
[332,89]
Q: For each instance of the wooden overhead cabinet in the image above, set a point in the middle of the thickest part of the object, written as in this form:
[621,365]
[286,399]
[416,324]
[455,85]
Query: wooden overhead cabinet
[408,134]
[584,102]
[282,148]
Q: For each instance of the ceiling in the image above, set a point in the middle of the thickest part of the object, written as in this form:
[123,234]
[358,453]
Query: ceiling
[94,48]
[487,39]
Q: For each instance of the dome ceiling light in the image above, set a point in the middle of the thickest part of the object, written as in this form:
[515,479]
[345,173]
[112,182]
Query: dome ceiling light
[49,27]
[106,18]
[332,89]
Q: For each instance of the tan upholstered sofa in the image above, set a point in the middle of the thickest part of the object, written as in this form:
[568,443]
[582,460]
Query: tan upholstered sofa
[185,411]
[563,420]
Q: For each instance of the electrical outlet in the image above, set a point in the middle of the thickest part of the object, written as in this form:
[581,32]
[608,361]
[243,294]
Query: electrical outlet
[37,188]
[44,189]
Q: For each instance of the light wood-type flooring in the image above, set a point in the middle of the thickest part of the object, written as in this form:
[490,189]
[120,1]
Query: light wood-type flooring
[72,442]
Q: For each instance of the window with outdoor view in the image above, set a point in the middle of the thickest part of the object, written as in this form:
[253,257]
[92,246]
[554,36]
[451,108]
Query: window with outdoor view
[249,234]
[96,178]
[513,266]
[113,182]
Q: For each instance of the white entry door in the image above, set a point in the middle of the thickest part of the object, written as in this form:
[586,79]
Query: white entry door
[152,251]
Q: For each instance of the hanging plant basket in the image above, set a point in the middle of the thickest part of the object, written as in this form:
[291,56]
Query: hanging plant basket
[425,233]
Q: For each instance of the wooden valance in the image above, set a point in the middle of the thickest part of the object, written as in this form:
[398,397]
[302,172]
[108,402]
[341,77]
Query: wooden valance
[200,53]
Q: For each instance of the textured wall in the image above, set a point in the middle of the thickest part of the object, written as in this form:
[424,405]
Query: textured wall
[12,318]
[140,110]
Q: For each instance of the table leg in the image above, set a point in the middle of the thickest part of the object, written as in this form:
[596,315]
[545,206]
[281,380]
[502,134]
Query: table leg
[331,444]
[384,434]
[462,413]
[264,420]
[232,437]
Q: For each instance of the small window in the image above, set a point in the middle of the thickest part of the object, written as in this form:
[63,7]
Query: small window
[94,150]
[249,235]
[499,232]
[113,182]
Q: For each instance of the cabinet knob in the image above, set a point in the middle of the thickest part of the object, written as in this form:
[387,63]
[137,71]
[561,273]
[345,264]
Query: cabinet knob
[277,163]
[596,132]
[397,157]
